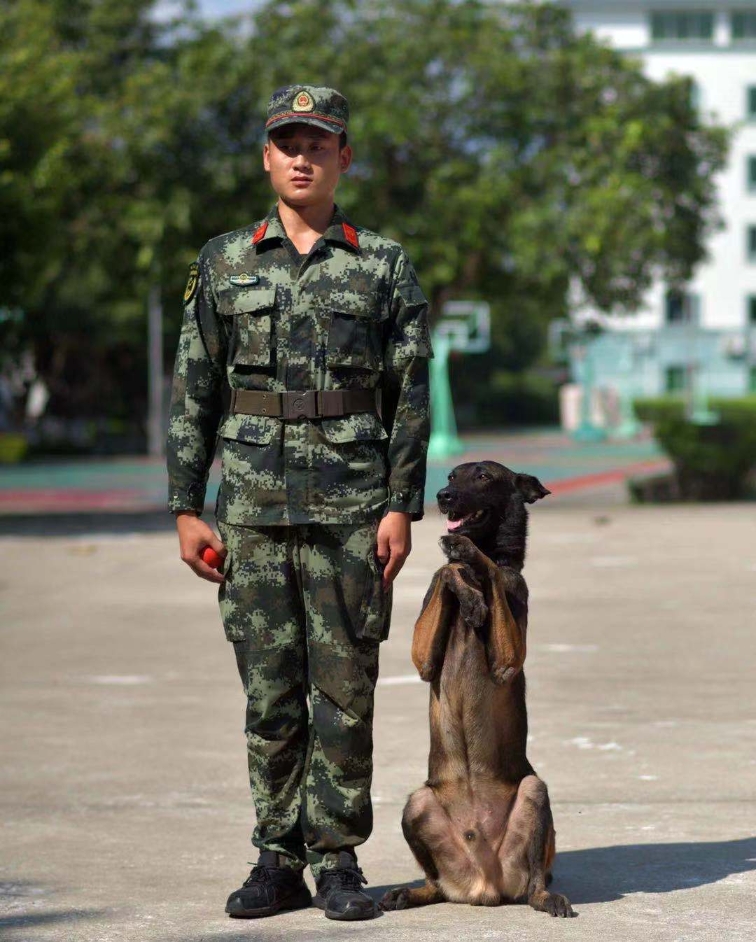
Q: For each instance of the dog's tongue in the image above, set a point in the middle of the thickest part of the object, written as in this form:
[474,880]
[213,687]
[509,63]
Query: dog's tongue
[453,524]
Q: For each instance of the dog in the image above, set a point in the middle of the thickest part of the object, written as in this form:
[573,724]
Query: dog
[481,826]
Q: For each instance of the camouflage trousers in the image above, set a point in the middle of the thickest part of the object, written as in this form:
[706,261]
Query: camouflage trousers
[305,610]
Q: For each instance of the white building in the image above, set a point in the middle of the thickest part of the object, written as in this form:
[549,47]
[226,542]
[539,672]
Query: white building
[711,330]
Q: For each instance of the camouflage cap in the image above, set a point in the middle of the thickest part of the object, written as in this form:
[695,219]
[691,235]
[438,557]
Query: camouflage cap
[308,104]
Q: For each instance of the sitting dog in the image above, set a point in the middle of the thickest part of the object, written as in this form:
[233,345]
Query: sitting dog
[481,826]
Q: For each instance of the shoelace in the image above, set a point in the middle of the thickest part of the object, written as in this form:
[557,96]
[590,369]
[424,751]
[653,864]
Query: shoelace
[258,875]
[348,878]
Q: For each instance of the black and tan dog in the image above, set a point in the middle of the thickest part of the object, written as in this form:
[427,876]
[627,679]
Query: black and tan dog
[481,826]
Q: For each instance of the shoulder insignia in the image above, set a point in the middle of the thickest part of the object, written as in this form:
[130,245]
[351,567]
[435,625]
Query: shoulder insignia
[350,234]
[191,282]
[260,233]
[243,280]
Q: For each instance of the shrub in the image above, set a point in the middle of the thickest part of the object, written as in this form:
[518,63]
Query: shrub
[504,399]
[711,462]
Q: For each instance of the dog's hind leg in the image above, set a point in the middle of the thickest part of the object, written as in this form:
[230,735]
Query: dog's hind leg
[418,812]
[527,852]
[409,897]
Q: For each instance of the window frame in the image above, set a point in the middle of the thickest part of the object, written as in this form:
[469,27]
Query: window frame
[689,307]
[751,173]
[748,14]
[660,36]
[680,381]
[750,311]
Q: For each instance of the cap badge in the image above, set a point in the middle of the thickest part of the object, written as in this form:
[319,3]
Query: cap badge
[243,280]
[303,102]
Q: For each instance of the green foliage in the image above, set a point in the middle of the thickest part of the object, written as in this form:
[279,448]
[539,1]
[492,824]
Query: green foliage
[506,399]
[712,462]
[510,156]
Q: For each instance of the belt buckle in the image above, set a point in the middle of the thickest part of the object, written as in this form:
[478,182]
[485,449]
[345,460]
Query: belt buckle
[300,405]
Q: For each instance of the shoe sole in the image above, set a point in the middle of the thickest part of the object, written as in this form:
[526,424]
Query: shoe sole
[300,902]
[349,916]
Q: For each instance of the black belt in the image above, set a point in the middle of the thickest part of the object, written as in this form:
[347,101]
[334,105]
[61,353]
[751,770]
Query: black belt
[309,404]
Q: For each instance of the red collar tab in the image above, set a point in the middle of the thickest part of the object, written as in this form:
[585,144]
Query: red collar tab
[350,234]
[260,233]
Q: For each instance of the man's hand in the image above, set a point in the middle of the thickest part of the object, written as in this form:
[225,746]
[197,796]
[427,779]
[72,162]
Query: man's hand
[393,544]
[194,536]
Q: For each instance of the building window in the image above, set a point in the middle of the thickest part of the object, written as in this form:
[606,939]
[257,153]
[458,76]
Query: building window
[674,380]
[743,26]
[682,26]
[680,307]
[751,310]
[751,102]
[751,173]
[751,243]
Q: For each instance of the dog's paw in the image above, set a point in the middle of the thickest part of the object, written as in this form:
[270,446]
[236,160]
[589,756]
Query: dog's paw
[456,546]
[395,899]
[558,905]
[504,675]
[473,609]
[554,904]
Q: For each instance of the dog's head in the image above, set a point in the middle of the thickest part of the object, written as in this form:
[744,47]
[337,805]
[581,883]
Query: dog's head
[482,495]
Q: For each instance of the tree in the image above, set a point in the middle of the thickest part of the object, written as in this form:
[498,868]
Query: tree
[512,158]
[509,154]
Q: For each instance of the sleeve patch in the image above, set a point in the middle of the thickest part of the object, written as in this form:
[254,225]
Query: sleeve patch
[191,283]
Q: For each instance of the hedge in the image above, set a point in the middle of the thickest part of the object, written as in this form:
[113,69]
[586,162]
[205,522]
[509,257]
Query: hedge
[711,462]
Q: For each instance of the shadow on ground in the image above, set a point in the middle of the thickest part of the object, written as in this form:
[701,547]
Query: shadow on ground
[602,874]
[606,874]
[64,916]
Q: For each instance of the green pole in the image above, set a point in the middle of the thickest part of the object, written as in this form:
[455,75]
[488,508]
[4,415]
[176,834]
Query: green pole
[586,430]
[628,426]
[444,441]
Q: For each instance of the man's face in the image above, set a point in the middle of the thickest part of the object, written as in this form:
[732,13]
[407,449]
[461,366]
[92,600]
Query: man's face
[305,164]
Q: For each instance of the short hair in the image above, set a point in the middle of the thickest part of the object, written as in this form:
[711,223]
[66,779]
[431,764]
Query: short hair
[342,136]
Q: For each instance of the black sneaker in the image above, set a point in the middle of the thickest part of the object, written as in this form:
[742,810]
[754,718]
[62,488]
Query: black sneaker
[269,889]
[339,891]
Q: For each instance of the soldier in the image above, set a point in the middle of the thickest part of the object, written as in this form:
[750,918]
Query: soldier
[313,333]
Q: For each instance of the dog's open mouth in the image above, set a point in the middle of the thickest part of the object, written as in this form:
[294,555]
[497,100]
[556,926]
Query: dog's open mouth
[455,521]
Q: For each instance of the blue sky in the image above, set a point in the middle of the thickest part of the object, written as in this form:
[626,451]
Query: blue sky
[212,8]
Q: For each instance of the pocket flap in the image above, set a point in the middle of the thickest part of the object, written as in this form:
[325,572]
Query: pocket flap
[347,304]
[360,426]
[411,294]
[254,429]
[247,301]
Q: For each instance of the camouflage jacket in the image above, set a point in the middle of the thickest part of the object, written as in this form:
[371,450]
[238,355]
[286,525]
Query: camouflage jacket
[257,315]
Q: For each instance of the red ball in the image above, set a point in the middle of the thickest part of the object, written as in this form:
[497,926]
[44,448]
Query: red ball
[209,556]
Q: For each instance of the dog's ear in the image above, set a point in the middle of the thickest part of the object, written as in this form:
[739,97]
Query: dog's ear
[530,488]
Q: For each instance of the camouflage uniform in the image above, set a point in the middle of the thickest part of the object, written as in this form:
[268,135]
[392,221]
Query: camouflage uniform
[300,501]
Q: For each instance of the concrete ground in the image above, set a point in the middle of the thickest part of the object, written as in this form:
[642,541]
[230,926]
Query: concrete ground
[125,811]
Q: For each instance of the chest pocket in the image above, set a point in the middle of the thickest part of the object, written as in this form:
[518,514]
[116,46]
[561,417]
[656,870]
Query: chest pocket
[354,336]
[250,317]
